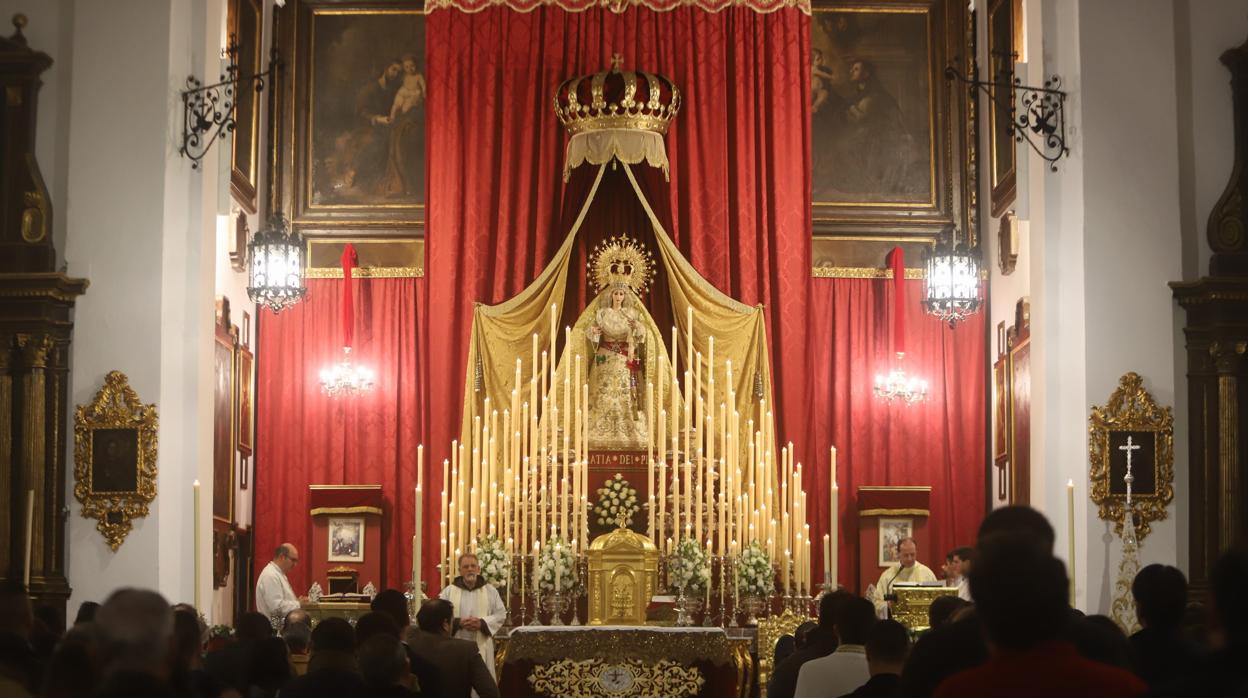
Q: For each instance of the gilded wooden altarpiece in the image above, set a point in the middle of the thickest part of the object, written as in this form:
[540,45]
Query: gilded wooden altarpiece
[892,140]
[1131,413]
[115,439]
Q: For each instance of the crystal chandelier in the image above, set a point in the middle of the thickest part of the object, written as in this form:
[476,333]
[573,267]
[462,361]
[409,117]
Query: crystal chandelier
[276,275]
[952,289]
[345,379]
[896,386]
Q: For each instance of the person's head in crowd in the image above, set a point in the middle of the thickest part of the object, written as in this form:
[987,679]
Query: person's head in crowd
[435,616]
[393,603]
[16,615]
[70,672]
[947,568]
[383,662]
[962,558]
[907,552]
[86,612]
[269,667]
[942,609]
[888,643]
[1020,589]
[785,646]
[188,642]
[286,556]
[333,635]
[828,605]
[1160,593]
[1016,519]
[134,630]
[371,624]
[801,635]
[1230,602]
[298,637]
[1099,638]
[297,615]
[854,618]
[253,626]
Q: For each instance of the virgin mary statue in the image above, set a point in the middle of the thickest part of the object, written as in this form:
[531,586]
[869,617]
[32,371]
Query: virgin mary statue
[623,346]
[617,370]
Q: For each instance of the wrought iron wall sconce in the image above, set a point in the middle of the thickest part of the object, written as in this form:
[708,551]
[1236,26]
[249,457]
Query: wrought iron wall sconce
[208,110]
[1042,116]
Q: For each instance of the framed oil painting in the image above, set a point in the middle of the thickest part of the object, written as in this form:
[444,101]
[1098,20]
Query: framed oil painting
[1001,58]
[245,22]
[893,531]
[888,130]
[246,432]
[346,539]
[223,424]
[359,143]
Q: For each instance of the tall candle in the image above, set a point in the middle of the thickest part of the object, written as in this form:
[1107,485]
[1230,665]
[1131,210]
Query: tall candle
[660,524]
[419,507]
[827,561]
[30,511]
[1070,535]
[553,322]
[558,567]
[834,524]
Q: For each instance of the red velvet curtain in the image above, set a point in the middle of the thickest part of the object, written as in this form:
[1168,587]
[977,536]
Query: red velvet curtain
[739,187]
[307,438]
[940,442]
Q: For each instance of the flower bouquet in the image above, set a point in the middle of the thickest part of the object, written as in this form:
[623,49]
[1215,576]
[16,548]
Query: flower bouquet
[617,503]
[755,576]
[556,568]
[689,569]
[495,563]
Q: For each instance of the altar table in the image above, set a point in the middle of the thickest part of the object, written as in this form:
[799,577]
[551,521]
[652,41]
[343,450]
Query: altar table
[620,661]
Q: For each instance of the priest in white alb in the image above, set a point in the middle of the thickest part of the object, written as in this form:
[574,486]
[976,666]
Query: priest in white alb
[908,570]
[479,611]
[274,597]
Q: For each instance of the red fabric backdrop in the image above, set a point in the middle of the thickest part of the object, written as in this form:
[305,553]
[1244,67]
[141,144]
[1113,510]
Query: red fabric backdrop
[738,207]
[305,438]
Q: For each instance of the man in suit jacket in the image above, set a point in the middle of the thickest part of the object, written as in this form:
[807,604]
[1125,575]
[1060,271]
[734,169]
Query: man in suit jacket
[461,672]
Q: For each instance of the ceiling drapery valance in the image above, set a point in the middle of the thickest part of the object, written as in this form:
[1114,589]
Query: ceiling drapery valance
[617,5]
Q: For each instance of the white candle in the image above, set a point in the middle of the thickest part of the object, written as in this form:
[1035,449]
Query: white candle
[1070,535]
[416,545]
[30,507]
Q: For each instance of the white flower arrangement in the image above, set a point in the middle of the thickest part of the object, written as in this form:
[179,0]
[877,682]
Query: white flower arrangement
[617,503]
[755,575]
[689,568]
[495,563]
[555,554]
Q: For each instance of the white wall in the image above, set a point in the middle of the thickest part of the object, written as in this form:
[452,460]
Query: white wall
[1149,125]
[130,216]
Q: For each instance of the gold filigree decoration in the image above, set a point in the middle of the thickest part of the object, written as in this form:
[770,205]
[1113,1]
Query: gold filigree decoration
[770,630]
[1131,408]
[118,419]
[1123,609]
[646,645]
[593,678]
[621,260]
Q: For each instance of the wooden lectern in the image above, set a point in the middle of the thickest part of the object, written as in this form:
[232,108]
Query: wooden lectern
[346,537]
[885,513]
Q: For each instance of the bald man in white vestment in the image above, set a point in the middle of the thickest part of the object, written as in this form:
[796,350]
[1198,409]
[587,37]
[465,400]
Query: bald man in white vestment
[274,597]
[479,610]
[908,570]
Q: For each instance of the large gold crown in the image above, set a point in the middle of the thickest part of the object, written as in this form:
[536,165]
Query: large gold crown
[617,99]
[621,261]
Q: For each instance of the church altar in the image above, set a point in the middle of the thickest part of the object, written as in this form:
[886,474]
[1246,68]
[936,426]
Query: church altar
[624,661]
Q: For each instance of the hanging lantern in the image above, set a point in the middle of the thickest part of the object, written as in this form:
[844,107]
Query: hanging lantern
[276,275]
[952,290]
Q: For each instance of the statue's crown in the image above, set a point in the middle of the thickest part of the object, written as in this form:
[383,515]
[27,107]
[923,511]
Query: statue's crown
[621,261]
[617,99]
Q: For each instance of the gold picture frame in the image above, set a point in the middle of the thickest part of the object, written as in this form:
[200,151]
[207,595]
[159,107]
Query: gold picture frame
[899,173]
[340,170]
[115,438]
[245,19]
[1131,413]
